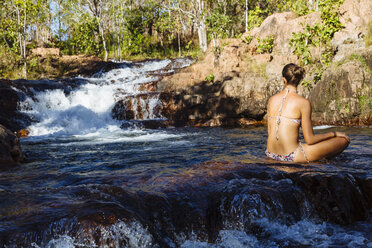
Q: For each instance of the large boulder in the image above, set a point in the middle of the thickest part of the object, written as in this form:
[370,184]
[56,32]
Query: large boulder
[355,15]
[9,116]
[229,87]
[232,100]
[281,26]
[344,94]
[233,82]
[10,149]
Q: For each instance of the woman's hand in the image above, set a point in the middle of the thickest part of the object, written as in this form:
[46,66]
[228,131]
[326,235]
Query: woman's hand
[343,135]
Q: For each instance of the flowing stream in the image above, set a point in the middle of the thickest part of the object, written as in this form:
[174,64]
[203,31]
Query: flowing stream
[93,181]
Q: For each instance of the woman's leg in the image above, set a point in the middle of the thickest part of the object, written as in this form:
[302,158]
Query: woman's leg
[327,148]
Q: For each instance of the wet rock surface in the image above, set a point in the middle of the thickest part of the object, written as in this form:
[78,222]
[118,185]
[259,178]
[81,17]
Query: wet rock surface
[164,210]
[9,115]
[10,149]
[13,92]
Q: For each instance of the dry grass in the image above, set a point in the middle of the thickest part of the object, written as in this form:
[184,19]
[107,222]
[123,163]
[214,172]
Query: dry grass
[368,36]
[252,66]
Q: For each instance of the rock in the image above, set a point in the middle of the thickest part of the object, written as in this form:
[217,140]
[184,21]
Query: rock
[354,15]
[199,201]
[41,51]
[23,133]
[9,115]
[10,149]
[230,101]
[138,107]
[344,94]
[244,80]
[281,26]
[336,198]
[11,92]
[253,94]
[148,87]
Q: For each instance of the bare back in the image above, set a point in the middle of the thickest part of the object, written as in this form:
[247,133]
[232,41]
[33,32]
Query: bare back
[284,116]
[286,112]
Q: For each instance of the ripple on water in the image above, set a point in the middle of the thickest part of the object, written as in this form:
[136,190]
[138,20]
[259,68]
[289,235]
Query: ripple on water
[102,173]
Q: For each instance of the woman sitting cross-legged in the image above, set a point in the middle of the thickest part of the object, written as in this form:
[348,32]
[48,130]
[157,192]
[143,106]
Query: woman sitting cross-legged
[286,112]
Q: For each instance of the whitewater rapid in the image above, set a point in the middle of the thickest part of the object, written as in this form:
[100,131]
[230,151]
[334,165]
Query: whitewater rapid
[88,109]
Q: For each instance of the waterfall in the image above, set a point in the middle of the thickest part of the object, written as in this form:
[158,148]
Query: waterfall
[88,108]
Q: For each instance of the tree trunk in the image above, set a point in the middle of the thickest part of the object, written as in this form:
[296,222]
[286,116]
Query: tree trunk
[311,4]
[179,44]
[24,45]
[103,40]
[202,30]
[246,15]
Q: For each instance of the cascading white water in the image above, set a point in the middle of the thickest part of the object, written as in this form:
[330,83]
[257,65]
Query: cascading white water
[88,109]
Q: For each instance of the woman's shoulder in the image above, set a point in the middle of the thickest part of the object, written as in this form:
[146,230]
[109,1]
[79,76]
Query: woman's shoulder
[302,102]
[302,99]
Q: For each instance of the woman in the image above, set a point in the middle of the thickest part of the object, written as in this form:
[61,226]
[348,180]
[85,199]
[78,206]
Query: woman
[286,112]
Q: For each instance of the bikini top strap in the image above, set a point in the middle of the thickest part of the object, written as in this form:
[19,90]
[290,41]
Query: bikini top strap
[279,114]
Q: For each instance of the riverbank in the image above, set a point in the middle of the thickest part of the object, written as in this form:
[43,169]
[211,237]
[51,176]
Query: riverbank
[232,84]
[48,63]
[92,180]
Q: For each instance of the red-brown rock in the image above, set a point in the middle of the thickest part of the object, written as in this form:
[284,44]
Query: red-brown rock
[10,149]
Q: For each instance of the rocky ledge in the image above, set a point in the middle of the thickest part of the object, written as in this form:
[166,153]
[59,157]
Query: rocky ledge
[203,200]
[10,149]
[231,85]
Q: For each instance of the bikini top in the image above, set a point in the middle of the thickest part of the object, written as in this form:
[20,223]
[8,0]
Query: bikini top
[297,121]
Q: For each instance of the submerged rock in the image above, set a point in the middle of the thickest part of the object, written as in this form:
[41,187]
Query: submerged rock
[9,115]
[167,209]
[10,149]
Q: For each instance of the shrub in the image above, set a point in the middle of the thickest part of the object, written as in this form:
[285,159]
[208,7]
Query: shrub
[265,45]
[210,78]
[247,39]
[318,35]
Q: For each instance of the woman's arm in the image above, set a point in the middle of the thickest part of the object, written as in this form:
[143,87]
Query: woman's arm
[307,127]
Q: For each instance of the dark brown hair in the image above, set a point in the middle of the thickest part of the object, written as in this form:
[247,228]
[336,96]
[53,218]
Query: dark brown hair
[293,74]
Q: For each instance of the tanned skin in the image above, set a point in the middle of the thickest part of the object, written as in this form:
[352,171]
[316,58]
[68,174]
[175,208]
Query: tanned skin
[317,146]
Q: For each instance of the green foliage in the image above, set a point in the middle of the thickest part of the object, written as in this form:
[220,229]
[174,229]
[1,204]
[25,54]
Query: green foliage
[149,28]
[256,16]
[265,45]
[318,35]
[248,39]
[365,102]
[218,25]
[210,78]
[85,38]
[330,19]
[307,84]
[9,35]
[362,61]
[298,6]
[302,41]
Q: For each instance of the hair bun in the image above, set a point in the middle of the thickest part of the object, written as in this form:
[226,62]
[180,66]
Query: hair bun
[299,72]
[293,73]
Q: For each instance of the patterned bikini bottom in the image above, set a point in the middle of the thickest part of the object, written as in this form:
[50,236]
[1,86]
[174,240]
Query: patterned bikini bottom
[286,158]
